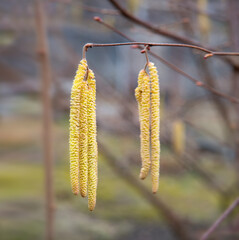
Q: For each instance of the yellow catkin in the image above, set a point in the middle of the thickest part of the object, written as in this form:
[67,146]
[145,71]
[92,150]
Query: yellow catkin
[92,143]
[155,144]
[83,139]
[74,126]
[145,127]
[178,137]
[138,90]
[142,95]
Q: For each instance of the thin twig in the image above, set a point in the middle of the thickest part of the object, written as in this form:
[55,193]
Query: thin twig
[160,31]
[149,26]
[150,44]
[145,51]
[198,83]
[170,65]
[220,219]
[208,52]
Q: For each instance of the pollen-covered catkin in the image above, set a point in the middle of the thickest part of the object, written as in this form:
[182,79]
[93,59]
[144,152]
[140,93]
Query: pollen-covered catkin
[145,127]
[142,95]
[92,143]
[155,144]
[74,126]
[138,90]
[83,139]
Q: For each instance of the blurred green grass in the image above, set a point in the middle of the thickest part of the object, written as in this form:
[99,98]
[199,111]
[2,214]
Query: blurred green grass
[22,190]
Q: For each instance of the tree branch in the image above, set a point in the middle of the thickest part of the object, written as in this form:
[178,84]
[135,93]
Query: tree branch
[160,31]
[170,65]
[208,52]
[220,219]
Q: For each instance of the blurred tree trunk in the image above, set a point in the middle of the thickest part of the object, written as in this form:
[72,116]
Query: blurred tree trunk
[45,71]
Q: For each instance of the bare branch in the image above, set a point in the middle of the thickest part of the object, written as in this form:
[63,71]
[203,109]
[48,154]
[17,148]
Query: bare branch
[160,31]
[170,65]
[208,52]
[220,219]
[198,83]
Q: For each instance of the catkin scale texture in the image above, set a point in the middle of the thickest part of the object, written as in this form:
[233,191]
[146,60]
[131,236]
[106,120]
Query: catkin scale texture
[138,90]
[142,95]
[155,144]
[145,127]
[74,126]
[92,142]
[83,139]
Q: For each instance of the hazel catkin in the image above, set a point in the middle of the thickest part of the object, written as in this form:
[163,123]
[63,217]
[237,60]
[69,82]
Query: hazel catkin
[142,95]
[83,139]
[138,90]
[92,143]
[155,144]
[145,127]
[74,126]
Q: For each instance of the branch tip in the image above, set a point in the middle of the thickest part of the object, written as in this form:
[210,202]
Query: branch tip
[97,19]
[208,55]
[199,84]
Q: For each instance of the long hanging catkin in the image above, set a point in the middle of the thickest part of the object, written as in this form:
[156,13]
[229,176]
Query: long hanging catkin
[92,143]
[138,90]
[145,127]
[155,144]
[142,95]
[83,139]
[74,126]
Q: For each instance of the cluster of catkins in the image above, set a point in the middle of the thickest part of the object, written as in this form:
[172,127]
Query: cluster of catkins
[83,144]
[147,96]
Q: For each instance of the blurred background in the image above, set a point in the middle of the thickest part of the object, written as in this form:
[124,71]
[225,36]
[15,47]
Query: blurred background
[40,47]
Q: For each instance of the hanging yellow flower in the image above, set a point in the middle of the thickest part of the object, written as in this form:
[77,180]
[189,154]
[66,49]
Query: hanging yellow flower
[74,126]
[83,139]
[145,127]
[138,90]
[142,95]
[83,130]
[92,143]
[83,144]
[155,144]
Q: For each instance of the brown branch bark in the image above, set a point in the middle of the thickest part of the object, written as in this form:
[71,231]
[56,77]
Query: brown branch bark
[160,31]
[220,219]
[172,66]
[150,27]
[45,71]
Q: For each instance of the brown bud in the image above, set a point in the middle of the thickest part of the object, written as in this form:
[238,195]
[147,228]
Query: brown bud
[97,19]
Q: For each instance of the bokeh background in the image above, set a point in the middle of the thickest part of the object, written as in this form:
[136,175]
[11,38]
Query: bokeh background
[199,130]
